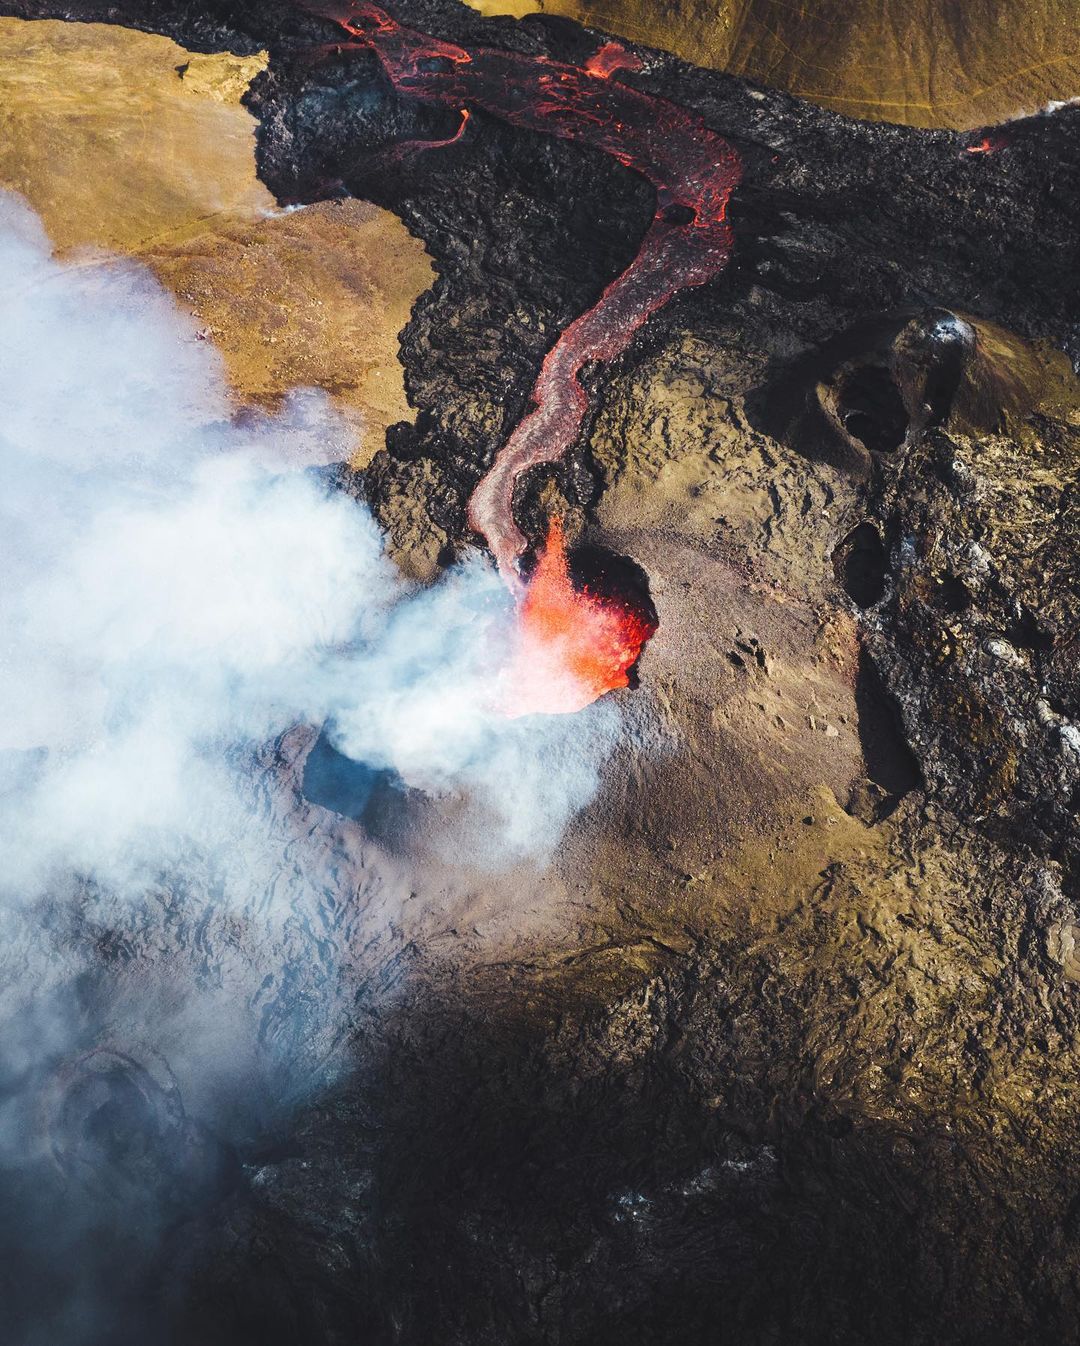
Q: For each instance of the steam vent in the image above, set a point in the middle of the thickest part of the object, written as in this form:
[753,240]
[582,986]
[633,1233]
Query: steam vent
[540,654]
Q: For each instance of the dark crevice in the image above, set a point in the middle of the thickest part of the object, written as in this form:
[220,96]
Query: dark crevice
[1025,633]
[859,565]
[870,408]
[951,594]
[890,763]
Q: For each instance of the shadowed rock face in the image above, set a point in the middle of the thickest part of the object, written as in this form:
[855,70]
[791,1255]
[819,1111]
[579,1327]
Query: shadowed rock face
[978,633]
[788,1053]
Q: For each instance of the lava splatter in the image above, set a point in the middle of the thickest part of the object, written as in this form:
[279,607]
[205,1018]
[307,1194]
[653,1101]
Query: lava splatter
[990,143]
[572,645]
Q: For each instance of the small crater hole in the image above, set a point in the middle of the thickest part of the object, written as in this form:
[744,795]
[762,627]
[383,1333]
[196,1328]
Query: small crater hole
[859,565]
[871,409]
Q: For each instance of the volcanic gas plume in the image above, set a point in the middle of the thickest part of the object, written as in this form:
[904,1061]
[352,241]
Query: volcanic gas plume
[196,589]
[688,243]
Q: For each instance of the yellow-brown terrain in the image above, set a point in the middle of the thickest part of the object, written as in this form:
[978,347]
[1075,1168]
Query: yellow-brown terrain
[958,63]
[124,141]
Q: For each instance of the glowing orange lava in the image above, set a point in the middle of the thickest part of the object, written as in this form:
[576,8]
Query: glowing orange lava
[989,144]
[689,242]
[572,645]
[610,58]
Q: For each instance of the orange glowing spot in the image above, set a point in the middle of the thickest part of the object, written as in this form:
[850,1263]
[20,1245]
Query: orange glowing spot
[609,58]
[572,645]
[465,114]
[988,145]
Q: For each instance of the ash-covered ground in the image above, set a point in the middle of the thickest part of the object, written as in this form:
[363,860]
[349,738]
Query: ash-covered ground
[779,1042]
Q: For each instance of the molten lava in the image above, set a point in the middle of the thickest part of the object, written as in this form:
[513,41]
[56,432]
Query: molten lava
[572,645]
[610,58]
[688,242]
[991,143]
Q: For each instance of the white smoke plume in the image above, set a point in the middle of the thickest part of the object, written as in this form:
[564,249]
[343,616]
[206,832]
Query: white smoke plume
[177,588]
[183,605]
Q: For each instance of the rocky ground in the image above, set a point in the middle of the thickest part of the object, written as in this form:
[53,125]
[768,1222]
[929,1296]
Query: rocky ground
[128,142]
[783,1046]
[920,62]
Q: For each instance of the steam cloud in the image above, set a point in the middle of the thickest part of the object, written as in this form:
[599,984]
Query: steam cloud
[181,592]
[176,586]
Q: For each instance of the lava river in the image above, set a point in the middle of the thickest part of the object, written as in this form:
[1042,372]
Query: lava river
[688,242]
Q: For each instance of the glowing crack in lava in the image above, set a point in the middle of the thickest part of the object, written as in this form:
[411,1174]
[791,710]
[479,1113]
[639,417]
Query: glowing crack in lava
[989,144]
[688,242]
[572,645]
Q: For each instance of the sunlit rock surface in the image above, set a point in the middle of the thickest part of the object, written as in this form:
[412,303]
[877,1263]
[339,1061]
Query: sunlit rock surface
[922,63]
[126,141]
[308,298]
[122,139]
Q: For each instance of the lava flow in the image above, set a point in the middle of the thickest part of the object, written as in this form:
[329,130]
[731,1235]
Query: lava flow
[989,144]
[572,645]
[688,242]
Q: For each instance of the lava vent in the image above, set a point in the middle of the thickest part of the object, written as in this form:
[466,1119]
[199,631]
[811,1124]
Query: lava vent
[581,627]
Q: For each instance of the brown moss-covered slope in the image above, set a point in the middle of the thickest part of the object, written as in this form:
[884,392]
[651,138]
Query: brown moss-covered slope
[127,142]
[955,63]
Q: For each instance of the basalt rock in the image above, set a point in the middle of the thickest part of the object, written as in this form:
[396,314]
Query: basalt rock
[977,633]
[786,1123]
[839,218]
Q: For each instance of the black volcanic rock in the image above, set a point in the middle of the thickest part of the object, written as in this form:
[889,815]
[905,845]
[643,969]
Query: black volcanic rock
[977,637]
[841,219]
